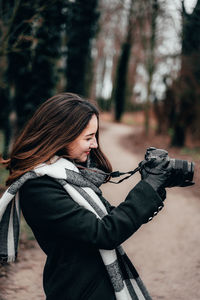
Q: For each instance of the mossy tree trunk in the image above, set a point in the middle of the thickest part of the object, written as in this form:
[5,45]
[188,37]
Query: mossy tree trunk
[82,24]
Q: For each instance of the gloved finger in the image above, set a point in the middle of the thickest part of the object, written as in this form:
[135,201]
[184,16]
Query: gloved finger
[162,193]
[142,171]
[187,183]
[158,166]
[143,163]
[183,184]
[163,166]
[143,174]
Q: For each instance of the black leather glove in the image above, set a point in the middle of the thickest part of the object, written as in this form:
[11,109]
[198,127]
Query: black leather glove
[161,172]
[159,176]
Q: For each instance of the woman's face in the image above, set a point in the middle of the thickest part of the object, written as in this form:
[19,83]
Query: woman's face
[79,149]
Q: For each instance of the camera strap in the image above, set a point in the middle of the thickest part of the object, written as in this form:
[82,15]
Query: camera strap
[118,174]
[114,174]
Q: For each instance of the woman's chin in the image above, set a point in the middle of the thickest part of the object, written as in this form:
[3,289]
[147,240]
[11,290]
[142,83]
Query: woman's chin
[81,159]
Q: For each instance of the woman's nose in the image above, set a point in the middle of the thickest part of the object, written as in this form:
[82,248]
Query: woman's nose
[94,143]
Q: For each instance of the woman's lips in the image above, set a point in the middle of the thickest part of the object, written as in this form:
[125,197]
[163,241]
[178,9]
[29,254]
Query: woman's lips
[87,152]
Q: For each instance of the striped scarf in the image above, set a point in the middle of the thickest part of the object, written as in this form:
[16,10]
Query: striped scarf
[83,187]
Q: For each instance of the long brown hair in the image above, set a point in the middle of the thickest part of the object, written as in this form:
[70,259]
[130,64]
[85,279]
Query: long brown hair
[55,124]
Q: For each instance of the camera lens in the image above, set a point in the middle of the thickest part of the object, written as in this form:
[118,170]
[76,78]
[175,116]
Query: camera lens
[190,171]
[186,168]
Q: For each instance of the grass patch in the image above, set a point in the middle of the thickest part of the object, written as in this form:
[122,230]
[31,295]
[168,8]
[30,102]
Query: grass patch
[3,176]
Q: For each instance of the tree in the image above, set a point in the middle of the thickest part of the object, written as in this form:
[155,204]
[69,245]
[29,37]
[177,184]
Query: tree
[142,29]
[150,63]
[120,84]
[17,37]
[148,38]
[31,43]
[187,91]
[82,24]
[106,49]
[46,52]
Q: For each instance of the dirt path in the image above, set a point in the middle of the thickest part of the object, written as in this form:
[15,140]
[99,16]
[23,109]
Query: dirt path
[165,251]
[25,277]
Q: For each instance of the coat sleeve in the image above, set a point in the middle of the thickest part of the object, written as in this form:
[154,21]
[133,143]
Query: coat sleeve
[47,208]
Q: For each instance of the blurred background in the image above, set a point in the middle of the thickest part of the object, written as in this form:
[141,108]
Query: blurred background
[134,57]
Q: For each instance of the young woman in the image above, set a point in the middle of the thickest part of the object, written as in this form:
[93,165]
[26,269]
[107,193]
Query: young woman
[56,168]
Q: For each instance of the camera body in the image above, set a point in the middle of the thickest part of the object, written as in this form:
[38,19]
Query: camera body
[157,161]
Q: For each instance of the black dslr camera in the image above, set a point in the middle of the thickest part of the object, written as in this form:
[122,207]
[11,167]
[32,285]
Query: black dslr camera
[157,161]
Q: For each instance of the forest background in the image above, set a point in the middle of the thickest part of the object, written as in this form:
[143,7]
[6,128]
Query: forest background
[134,57]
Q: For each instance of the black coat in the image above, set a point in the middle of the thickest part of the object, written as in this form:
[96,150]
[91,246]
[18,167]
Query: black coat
[71,235]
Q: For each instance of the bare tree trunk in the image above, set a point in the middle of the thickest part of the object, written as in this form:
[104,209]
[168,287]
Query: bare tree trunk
[187,104]
[120,86]
[150,62]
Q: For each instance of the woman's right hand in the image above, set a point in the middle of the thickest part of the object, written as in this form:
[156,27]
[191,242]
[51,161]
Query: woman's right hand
[159,175]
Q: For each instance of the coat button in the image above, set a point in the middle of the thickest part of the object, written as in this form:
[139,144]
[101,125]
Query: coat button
[150,218]
[160,207]
[155,213]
